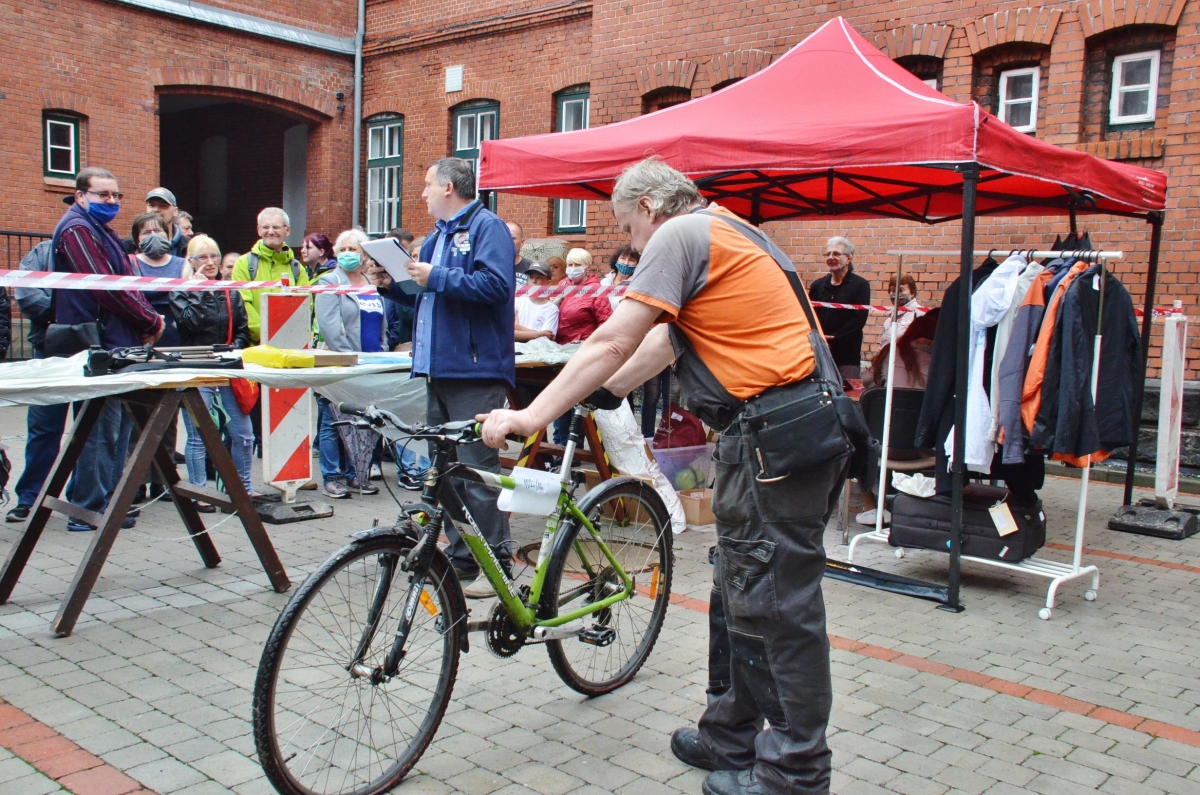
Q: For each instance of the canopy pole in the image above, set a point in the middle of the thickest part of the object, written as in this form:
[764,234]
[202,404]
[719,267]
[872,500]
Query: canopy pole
[970,174]
[1156,225]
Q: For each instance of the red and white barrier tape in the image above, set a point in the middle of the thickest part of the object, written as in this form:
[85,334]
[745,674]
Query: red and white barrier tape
[81,281]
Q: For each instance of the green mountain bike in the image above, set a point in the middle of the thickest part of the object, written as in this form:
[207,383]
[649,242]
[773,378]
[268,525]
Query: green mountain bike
[360,666]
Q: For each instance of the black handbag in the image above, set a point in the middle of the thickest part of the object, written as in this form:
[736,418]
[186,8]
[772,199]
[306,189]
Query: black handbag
[64,339]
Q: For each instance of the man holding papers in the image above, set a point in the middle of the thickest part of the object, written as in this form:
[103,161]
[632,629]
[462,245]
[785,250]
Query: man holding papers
[463,336]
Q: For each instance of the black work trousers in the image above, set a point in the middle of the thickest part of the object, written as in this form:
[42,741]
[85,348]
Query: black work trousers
[451,400]
[769,654]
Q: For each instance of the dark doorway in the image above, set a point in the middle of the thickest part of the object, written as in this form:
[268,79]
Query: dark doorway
[226,160]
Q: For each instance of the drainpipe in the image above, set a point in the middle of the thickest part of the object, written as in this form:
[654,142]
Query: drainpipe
[356,186]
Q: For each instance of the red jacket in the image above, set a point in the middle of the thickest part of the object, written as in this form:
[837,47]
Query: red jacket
[580,315]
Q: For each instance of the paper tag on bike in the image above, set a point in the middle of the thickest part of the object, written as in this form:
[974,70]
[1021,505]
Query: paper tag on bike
[536,492]
[1003,519]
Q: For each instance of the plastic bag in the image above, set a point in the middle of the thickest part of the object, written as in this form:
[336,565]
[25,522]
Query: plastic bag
[622,438]
[917,485]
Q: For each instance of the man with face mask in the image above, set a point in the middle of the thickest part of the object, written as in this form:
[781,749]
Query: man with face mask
[85,243]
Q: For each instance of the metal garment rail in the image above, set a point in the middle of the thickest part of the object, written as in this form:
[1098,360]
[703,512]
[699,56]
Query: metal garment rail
[1058,573]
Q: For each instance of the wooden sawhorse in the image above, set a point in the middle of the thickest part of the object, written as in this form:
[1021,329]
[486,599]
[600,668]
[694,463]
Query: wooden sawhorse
[152,411]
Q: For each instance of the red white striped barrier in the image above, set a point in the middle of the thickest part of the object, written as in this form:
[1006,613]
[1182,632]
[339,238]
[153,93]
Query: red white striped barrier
[79,281]
[287,413]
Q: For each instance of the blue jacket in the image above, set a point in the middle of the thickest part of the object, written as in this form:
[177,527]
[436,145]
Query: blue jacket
[472,335]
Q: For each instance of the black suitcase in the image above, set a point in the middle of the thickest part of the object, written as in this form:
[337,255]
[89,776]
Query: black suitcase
[925,524]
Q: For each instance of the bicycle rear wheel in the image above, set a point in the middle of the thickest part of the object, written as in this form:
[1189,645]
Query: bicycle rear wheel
[321,729]
[615,641]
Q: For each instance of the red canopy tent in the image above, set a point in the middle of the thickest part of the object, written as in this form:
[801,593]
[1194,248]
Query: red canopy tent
[835,128]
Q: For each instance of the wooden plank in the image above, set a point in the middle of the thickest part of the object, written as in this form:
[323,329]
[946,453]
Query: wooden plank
[204,493]
[224,465]
[19,555]
[105,536]
[73,511]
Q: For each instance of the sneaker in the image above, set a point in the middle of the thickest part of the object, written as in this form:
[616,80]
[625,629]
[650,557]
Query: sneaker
[411,482]
[376,472]
[362,488]
[868,517]
[480,589]
[80,527]
[133,513]
[19,513]
[336,489]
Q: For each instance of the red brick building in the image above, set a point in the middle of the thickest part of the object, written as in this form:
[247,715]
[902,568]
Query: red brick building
[156,93]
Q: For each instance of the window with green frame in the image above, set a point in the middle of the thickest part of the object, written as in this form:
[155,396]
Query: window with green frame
[60,145]
[570,215]
[474,124]
[385,172]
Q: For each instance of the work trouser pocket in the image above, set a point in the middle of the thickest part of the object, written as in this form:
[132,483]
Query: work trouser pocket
[748,579]
[733,502]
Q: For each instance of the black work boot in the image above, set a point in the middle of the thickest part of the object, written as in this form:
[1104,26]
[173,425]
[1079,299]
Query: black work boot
[732,782]
[685,744]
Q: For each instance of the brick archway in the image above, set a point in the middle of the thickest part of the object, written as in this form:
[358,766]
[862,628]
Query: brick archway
[736,64]
[258,87]
[66,100]
[574,76]
[1025,25]
[666,74]
[925,39]
[474,90]
[1099,16]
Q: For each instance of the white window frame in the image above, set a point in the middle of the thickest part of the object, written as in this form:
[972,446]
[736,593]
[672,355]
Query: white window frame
[1004,101]
[71,124]
[932,82]
[570,215]
[385,175]
[1114,103]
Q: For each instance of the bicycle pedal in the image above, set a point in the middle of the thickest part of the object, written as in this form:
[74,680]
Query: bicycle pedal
[598,636]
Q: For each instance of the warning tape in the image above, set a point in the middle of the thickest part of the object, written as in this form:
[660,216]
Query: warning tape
[94,281]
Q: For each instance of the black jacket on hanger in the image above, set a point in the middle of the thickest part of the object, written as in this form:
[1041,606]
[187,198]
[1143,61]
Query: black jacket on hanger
[939,386]
[1068,422]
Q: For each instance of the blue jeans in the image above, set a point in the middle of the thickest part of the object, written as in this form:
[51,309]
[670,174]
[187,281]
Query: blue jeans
[329,446]
[44,430]
[239,429]
[102,459]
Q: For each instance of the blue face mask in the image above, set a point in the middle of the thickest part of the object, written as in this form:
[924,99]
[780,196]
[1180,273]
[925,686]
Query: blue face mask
[103,213]
[349,260]
[625,270]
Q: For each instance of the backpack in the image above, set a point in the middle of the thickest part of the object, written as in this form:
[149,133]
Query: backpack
[252,264]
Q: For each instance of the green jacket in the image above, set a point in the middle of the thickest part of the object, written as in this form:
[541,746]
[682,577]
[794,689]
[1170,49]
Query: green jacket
[271,266]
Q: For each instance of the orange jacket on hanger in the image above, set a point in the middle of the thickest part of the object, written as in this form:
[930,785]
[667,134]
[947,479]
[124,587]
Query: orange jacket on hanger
[1031,394]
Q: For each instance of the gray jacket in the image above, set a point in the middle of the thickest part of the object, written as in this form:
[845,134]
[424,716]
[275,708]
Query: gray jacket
[338,315]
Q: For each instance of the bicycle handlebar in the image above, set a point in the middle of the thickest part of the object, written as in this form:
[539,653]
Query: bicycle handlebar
[461,432]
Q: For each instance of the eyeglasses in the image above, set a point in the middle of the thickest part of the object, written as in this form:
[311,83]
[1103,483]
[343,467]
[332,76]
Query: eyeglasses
[272,228]
[106,195]
[829,254]
[206,258]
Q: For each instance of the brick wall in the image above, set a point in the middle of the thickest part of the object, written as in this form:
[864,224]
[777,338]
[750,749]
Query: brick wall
[109,63]
[622,44]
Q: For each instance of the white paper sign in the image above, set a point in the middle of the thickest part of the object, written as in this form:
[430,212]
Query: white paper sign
[536,492]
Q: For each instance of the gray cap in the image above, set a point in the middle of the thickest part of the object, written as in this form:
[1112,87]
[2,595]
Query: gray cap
[164,194]
[540,267]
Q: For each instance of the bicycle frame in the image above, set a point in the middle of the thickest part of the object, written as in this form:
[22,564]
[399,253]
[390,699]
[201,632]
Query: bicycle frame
[522,615]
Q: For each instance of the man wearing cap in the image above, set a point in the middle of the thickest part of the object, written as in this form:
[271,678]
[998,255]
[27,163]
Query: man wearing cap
[161,202]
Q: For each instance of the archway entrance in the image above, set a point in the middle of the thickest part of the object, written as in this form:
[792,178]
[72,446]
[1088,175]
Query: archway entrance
[225,160]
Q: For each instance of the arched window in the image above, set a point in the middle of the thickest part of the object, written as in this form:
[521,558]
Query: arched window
[664,97]
[1010,80]
[927,67]
[60,144]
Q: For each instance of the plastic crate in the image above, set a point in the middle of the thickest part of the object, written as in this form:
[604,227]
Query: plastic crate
[676,461]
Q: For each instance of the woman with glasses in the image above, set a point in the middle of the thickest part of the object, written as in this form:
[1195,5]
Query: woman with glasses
[214,318]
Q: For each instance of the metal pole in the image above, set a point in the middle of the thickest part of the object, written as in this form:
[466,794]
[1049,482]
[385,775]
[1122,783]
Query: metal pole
[881,488]
[356,177]
[959,470]
[1156,226]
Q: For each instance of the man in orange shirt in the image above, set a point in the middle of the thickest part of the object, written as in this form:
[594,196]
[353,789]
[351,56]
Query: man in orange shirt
[710,299]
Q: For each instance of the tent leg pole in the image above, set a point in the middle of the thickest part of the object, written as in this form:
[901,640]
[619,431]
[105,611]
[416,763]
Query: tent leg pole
[1156,225]
[959,470]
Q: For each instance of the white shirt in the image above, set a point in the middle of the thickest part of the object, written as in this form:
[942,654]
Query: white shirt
[539,317]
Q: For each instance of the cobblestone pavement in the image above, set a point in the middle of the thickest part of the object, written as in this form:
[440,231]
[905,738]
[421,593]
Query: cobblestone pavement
[156,679]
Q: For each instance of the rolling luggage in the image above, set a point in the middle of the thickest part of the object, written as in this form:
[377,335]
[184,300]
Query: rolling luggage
[925,524]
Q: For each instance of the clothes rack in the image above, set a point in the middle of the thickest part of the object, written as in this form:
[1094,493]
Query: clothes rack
[1057,572]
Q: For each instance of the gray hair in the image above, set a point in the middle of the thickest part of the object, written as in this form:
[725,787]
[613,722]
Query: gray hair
[670,192]
[847,246]
[457,172]
[268,211]
[355,235]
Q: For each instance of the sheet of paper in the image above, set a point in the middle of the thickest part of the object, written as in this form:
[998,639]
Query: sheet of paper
[536,492]
[1003,519]
[391,255]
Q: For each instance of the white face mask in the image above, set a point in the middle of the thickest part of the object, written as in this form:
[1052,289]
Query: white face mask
[575,274]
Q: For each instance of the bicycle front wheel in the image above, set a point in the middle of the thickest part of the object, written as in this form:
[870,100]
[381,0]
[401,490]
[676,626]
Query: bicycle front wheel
[613,642]
[323,726]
